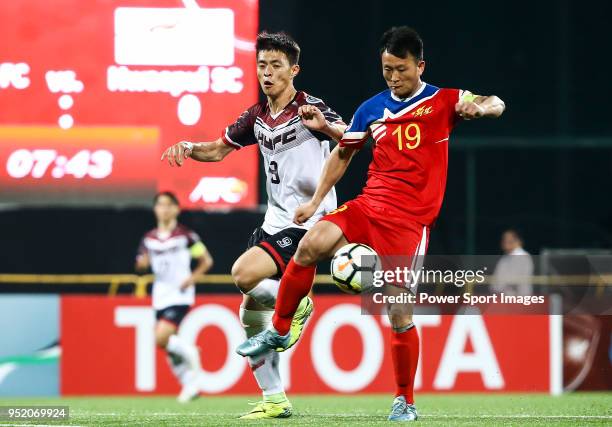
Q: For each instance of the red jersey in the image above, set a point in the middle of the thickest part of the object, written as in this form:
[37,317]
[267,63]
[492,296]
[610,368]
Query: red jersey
[407,175]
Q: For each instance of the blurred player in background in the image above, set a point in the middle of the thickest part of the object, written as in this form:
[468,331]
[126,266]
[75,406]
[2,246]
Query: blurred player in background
[292,130]
[168,250]
[410,123]
[514,270]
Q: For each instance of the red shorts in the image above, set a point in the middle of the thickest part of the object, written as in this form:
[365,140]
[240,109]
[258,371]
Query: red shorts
[389,236]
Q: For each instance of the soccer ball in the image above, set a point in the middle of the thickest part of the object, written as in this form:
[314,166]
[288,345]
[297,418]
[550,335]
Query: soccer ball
[352,268]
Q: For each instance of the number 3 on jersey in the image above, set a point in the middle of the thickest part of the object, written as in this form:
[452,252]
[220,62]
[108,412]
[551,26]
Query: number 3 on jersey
[273,171]
[412,133]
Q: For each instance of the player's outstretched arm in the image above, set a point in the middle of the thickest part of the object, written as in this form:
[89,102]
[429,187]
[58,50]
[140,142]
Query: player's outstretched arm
[201,151]
[475,107]
[334,168]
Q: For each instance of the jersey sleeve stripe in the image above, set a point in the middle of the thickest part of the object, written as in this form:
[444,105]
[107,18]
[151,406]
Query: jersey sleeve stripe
[354,136]
[228,141]
[330,116]
[379,129]
[352,141]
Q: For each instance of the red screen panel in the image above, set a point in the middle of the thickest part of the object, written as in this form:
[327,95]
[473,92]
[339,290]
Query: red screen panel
[91,93]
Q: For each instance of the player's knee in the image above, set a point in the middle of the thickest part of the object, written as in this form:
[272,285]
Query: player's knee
[308,251]
[243,278]
[400,315]
[399,320]
[161,339]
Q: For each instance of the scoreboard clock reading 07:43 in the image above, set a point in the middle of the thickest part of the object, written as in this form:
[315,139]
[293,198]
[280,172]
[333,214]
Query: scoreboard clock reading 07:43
[91,96]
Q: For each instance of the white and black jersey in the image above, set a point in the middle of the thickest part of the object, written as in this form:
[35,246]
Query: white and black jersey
[170,256]
[293,157]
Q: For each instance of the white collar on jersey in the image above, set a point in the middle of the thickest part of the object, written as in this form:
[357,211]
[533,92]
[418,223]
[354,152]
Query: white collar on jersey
[164,235]
[418,92]
[274,116]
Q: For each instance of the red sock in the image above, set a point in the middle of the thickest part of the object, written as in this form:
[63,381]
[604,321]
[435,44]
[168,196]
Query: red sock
[405,353]
[295,285]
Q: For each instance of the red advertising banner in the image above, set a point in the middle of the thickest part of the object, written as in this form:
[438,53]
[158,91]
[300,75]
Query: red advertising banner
[91,92]
[108,348]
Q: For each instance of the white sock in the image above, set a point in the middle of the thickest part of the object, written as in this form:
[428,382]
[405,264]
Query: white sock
[186,351]
[265,292]
[180,368]
[177,346]
[265,366]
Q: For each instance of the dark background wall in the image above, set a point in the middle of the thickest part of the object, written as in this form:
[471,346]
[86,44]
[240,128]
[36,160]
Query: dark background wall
[548,60]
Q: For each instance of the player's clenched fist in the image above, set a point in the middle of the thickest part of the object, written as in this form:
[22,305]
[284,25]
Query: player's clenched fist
[312,117]
[177,153]
[469,110]
[304,212]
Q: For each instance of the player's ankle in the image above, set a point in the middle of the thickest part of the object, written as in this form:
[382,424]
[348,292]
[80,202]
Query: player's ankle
[275,398]
[409,399]
[282,325]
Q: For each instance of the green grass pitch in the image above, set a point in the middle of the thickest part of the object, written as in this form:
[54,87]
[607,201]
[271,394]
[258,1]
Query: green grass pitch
[577,409]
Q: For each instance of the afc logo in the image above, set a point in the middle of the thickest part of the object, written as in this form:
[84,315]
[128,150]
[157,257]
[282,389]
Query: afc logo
[284,242]
[283,138]
[423,111]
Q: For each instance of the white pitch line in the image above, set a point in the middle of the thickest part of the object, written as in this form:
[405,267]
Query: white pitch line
[492,416]
[604,417]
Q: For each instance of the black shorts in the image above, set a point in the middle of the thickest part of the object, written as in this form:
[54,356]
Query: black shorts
[280,246]
[173,314]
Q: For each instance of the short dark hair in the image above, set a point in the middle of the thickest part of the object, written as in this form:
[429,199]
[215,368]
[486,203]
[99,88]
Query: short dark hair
[168,194]
[282,42]
[401,41]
